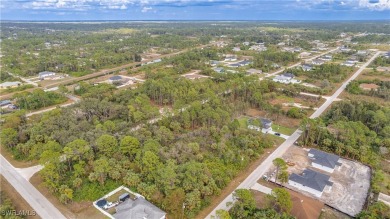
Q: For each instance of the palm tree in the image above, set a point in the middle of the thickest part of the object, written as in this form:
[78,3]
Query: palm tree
[280,165]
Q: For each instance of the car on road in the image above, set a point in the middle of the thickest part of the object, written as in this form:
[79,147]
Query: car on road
[277,133]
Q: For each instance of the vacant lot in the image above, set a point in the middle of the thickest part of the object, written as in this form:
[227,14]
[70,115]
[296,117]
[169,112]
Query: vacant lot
[278,119]
[83,209]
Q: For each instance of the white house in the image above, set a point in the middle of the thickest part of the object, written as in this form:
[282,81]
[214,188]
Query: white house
[12,84]
[253,71]
[265,125]
[324,161]
[306,67]
[317,62]
[362,52]
[219,70]
[326,58]
[284,78]
[230,58]
[236,49]
[45,74]
[304,54]
[349,63]
[138,208]
[311,181]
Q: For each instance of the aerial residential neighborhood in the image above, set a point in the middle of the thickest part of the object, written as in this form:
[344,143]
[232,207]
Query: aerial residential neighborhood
[195,109]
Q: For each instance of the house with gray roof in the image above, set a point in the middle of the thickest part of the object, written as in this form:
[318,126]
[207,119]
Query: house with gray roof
[284,78]
[45,74]
[11,84]
[253,71]
[311,181]
[219,70]
[116,78]
[260,124]
[138,208]
[324,161]
[307,67]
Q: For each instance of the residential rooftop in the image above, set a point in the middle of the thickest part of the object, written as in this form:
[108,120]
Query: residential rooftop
[324,159]
[138,208]
[312,179]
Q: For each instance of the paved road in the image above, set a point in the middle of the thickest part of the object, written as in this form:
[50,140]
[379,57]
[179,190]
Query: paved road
[263,167]
[341,88]
[298,63]
[259,171]
[50,109]
[37,201]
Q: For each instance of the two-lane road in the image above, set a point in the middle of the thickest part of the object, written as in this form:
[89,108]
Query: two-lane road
[263,167]
[34,198]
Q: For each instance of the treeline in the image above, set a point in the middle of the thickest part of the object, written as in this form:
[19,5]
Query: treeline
[38,99]
[372,38]
[381,61]
[332,72]
[352,129]
[267,59]
[82,53]
[120,138]
[278,205]
[383,90]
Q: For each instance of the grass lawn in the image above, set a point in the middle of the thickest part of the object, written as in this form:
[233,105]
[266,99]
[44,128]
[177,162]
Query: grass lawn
[115,197]
[282,129]
[275,139]
[243,121]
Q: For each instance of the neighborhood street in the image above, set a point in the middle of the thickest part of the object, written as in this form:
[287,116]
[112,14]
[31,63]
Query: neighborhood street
[263,167]
[298,63]
[34,198]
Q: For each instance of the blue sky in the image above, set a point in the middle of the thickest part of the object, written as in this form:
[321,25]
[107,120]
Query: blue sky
[195,9]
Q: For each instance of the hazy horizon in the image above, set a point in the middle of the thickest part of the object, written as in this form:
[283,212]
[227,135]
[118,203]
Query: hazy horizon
[232,10]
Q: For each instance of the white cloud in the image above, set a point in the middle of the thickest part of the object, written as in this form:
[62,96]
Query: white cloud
[146,9]
[144,5]
[378,6]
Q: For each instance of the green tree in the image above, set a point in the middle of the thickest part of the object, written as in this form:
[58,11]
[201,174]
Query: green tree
[376,211]
[280,165]
[129,146]
[107,145]
[222,214]
[9,137]
[283,176]
[280,197]
[245,204]
[174,202]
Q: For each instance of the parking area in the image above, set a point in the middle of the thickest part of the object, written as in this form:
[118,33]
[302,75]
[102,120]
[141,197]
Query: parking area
[351,181]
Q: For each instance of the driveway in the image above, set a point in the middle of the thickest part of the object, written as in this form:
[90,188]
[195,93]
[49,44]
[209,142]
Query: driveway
[281,135]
